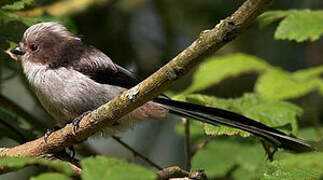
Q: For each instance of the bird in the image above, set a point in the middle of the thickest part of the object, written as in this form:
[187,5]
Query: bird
[71,78]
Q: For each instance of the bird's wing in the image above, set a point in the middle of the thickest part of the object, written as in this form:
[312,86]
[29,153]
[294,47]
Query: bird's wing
[102,69]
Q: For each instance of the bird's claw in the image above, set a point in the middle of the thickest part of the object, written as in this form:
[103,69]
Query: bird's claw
[76,121]
[71,148]
[49,132]
[76,124]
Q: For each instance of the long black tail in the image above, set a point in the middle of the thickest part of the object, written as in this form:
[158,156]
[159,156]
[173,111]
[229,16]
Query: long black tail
[215,116]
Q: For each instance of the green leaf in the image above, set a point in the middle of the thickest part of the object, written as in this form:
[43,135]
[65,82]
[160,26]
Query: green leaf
[278,84]
[221,156]
[50,176]
[15,163]
[109,168]
[301,166]
[300,26]
[216,69]
[19,5]
[320,85]
[273,113]
[311,134]
[304,75]
[271,16]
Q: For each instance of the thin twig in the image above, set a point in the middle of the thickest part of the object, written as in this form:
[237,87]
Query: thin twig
[270,153]
[187,143]
[12,106]
[202,145]
[10,76]
[136,153]
[22,135]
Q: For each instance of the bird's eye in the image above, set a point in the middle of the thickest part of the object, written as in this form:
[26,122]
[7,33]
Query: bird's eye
[33,47]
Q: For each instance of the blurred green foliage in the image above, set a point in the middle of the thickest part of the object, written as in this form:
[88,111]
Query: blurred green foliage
[13,163]
[246,161]
[50,176]
[277,96]
[114,169]
[298,25]
[303,166]
[273,82]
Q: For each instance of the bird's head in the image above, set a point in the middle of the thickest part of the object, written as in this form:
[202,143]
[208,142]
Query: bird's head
[46,43]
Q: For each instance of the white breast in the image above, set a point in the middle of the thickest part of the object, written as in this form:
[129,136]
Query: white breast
[66,93]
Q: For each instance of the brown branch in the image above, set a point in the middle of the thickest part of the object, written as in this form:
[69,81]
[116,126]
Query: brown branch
[136,153]
[107,115]
[202,145]
[176,172]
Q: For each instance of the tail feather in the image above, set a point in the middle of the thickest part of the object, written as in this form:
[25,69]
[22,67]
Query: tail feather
[215,116]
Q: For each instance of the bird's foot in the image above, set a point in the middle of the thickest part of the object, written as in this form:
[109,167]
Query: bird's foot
[76,121]
[49,132]
[72,150]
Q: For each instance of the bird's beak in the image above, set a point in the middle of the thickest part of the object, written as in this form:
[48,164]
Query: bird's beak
[17,51]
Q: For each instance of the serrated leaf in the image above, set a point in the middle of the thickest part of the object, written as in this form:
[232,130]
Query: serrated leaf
[109,168]
[273,113]
[9,127]
[278,84]
[216,69]
[301,26]
[301,166]
[271,16]
[221,156]
[223,130]
[15,163]
[19,5]
[50,176]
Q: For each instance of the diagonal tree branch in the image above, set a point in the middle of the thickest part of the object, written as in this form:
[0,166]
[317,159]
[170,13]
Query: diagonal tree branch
[207,43]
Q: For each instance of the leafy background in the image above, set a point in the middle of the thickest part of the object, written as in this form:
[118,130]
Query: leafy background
[273,74]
